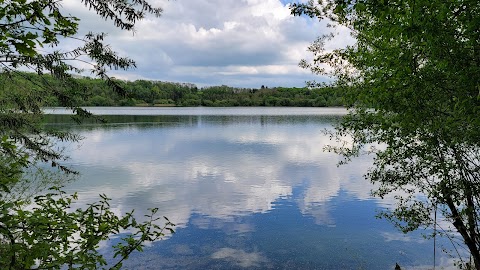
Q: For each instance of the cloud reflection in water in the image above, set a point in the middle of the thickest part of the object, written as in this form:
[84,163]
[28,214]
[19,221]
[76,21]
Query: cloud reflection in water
[217,170]
[233,176]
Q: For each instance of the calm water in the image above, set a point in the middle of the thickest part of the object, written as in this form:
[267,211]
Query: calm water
[247,188]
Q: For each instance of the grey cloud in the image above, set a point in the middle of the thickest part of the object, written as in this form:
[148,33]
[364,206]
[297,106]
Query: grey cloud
[203,13]
[201,41]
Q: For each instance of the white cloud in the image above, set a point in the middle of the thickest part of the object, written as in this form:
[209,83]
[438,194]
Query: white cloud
[246,43]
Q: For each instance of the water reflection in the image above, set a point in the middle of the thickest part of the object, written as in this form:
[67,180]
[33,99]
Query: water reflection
[246,192]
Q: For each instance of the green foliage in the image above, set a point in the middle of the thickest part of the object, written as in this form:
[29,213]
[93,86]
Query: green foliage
[412,80]
[52,236]
[11,165]
[46,233]
[95,92]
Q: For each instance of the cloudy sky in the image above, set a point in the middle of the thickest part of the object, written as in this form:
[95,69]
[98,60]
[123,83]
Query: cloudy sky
[243,43]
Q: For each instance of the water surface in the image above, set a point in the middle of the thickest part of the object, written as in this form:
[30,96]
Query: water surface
[247,188]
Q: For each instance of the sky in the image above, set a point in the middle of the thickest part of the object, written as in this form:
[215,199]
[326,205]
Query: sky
[241,43]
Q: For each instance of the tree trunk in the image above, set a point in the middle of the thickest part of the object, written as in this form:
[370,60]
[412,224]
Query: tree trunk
[463,230]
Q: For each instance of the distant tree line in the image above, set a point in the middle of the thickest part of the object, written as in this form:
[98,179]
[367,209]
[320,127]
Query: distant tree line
[95,92]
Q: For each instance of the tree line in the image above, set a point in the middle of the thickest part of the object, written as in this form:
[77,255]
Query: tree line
[95,92]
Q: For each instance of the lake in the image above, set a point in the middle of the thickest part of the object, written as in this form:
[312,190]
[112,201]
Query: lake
[247,188]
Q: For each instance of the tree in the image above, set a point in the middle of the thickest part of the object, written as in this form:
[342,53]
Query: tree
[413,84]
[47,234]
